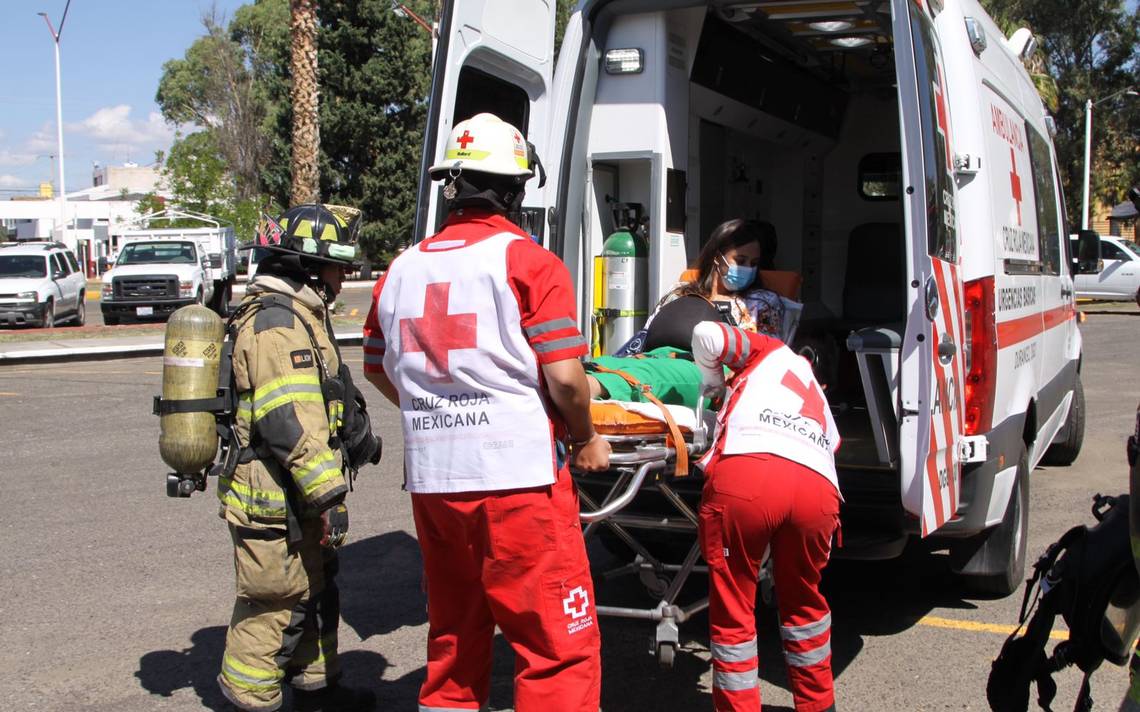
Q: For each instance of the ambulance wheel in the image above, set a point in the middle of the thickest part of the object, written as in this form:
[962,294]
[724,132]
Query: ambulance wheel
[995,559]
[1065,451]
[666,653]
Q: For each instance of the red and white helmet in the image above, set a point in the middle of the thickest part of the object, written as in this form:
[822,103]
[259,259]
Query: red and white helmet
[486,144]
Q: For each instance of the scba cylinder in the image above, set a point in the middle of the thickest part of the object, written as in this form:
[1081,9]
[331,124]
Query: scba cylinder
[188,441]
[625,277]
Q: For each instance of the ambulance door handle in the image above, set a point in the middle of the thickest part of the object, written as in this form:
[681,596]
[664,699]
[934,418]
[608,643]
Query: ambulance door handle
[946,350]
[1066,292]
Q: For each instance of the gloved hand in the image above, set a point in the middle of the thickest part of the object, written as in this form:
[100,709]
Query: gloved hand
[335,523]
[713,393]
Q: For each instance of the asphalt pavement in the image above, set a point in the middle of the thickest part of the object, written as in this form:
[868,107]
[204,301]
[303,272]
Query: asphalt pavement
[116,597]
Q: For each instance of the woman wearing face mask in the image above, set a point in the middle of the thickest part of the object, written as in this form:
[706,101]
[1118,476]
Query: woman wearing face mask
[727,289]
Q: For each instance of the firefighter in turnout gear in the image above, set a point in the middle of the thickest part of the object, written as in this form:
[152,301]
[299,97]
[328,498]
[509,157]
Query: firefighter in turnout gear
[284,502]
[474,336]
[770,487]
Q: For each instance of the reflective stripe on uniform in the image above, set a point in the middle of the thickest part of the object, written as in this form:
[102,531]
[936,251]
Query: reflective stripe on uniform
[806,631]
[264,503]
[808,657]
[546,327]
[559,344]
[245,405]
[738,653]
[374,342]
[288,389]
[316,472]
[247,677]
[736,680]
[426,708]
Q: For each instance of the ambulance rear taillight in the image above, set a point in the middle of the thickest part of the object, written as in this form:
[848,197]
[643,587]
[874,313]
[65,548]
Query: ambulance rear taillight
[981,355]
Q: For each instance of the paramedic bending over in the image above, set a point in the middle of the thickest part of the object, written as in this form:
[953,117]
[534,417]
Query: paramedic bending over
[770,482]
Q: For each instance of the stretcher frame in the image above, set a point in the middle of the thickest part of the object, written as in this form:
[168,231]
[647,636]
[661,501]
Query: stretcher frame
[645,462]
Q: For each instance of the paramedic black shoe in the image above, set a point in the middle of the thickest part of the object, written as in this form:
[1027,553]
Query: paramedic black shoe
[334,698]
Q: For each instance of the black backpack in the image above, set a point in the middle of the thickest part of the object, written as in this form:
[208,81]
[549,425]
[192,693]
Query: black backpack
[1089,578]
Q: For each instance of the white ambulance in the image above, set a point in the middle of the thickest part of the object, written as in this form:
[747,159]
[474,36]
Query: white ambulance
[903,155]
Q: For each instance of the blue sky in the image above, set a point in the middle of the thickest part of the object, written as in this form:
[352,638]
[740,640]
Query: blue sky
[111,58]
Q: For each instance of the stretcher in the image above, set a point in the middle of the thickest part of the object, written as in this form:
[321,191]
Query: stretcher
[642,505]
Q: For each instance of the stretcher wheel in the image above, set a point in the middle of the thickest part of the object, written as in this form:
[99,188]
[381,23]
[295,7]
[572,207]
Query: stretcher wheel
[666,652]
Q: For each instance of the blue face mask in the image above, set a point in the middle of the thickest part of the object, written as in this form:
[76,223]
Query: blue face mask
[738,277]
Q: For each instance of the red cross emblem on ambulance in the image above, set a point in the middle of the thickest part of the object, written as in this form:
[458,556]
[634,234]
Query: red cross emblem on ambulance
[1015,183]
[576,603]
[437,333]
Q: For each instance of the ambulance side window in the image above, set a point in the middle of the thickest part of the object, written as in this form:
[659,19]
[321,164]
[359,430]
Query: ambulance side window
[1045,198]
[479,92]
[941,239]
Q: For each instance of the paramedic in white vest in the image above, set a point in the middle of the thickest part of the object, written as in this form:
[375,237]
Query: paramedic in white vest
[473,334]
[770,486]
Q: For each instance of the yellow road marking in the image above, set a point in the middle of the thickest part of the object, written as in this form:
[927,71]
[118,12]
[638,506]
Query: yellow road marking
[354,312]
[6,393]
[936,622]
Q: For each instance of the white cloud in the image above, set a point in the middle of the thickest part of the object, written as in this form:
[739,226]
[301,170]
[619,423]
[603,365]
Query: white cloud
[10,181]
[42,141]
[16,158]
[112,129]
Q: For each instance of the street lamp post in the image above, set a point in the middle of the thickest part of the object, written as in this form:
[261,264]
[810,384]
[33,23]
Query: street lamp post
[1089,104]
[55,35]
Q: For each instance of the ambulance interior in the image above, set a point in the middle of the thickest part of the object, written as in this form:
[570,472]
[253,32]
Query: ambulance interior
[779,111]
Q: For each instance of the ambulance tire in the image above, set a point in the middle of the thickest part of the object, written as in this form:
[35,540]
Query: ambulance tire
[1064,452]
[996,563]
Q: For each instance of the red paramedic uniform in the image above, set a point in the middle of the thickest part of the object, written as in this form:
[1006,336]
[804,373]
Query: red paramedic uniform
[461,326]
[770,486]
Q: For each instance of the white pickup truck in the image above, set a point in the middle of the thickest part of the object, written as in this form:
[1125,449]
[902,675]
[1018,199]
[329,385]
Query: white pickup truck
[160,270]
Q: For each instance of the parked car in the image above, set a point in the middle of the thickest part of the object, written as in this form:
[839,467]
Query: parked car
[40,284]
[1120,277]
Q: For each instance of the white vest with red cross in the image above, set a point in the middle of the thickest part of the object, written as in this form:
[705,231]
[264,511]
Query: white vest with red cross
[776,406]
[473,414]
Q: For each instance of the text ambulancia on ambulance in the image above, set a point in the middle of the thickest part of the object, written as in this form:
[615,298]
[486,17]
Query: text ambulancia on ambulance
[905,159]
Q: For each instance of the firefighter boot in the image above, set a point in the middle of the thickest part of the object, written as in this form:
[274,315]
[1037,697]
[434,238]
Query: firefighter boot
[334,698]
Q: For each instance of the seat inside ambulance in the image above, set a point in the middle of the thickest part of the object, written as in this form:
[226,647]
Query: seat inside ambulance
[789,114]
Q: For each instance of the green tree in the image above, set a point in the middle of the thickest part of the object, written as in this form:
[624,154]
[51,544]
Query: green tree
[200,181]
[1091,49]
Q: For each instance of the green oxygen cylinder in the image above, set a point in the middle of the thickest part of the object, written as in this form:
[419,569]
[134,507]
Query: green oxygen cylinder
[625,284]
[188,441]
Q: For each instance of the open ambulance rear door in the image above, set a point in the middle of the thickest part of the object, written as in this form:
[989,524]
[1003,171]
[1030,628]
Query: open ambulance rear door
[932,350]
[492,56]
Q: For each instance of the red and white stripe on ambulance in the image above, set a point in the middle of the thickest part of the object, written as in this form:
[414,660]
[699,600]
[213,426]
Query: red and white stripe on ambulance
[931,491]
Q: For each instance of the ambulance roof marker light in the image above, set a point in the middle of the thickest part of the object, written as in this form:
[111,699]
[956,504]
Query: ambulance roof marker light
[977,35]
[1022,43]
[629,60]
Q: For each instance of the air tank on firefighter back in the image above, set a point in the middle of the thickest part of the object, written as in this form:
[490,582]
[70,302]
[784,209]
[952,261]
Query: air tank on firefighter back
[188,440]
[625,279]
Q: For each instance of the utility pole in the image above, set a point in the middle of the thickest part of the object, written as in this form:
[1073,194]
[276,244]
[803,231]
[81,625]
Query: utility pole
[55,36]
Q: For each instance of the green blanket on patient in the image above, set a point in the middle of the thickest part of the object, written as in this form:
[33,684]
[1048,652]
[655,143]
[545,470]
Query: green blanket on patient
[670,374]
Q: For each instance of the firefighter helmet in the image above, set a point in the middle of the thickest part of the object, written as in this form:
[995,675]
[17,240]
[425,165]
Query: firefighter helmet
[324,233]
[485,144]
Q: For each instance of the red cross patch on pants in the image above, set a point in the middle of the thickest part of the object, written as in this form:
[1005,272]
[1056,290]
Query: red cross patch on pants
[751,503]
[515,559]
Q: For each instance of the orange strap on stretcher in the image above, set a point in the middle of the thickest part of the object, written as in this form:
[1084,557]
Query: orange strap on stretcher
[675,439]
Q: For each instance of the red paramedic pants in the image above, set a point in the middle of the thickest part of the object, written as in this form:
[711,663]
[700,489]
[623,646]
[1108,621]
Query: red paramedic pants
[515,559]
[751,502]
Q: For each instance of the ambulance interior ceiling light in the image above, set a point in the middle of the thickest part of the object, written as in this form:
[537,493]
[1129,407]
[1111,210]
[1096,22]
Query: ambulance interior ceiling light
[832,25]
[629,60]
[851,42]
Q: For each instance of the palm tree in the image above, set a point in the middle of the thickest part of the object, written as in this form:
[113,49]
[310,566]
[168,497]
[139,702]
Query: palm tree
[303,96]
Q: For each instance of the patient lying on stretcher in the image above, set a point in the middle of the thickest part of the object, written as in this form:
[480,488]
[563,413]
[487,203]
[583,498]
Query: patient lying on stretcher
[726,288]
